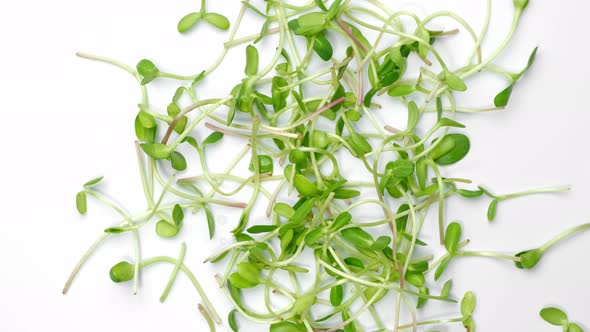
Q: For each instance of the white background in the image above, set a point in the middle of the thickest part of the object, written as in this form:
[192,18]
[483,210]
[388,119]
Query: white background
[66,120]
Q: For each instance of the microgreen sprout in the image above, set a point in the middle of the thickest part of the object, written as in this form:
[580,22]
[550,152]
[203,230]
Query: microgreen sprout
[299,126]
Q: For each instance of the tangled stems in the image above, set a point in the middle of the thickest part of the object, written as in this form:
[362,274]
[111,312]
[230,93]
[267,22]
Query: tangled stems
[287,115]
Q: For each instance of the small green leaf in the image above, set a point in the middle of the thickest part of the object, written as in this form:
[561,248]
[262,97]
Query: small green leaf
[249,272]
[177,214]
[251,61]
[81,202]
[166,229]
[381,243]
[156,151]
[122,271]
[422,300]
[148,70]
[460,147]
[265,164]
[210,222]
[359,144]
[341,220]
[231,319]
[341,193]
[467,304]
[93,181]
[308,24]
[336,295]
[502,98]
[415,279]
[287,327]
[188,21]
[177,161]
[213,138]
[355,264]
[314,236]
[240,282]
[554,316]
[401,168]
[115,230]
[413,116]
[529,258]
[261,229]
[284,210]
[218,20]
[358,237]
[454,82]
[401,90]
[446,122]
[470,193]
[573,327]
[446,290]
[322,47]
[441,268]
[305,187]
[452,237]
[492,210]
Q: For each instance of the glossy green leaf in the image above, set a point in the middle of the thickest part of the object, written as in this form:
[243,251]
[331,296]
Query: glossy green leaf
[93,181]
[122,272]
[441,268]
[336,295]
[261,229]
[177,214]
[148,70]
[346,193]
[358,237]
[529,258]
[461,146]
[156,151]
[251,61]
[554,316]
[401,168]
[305,187]
[213,138]
[188,21]
[308,24]
[231,319]
[81,204]
[218,20]
[166,229]
[470,193]
[177,161]
[314,236]
[265,164]
[454,82]
[210,222]
[341,220]
[415,279]
[492,210]
[573,327]
[322,47]
[502,98]
[452,237]
[422,300]
[381,243]
[401,90]
[283,210]
[413,116]
[240,282]
[446,290]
